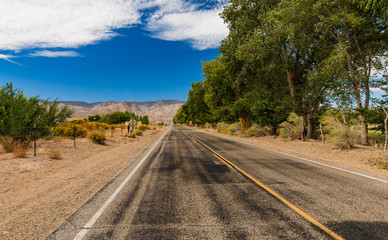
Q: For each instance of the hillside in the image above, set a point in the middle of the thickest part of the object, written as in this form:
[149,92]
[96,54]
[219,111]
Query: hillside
[157,111]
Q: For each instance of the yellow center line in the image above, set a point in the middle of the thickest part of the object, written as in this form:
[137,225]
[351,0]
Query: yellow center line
[272,192]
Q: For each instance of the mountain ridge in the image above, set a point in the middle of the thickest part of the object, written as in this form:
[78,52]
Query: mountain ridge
[157,111]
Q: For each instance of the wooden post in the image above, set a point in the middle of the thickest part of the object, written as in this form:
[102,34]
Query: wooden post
[386,129]
[34,140]
[323,137]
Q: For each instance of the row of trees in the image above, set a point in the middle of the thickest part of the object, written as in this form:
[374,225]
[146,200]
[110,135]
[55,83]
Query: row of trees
[118,118]
[22,116]
[285,56]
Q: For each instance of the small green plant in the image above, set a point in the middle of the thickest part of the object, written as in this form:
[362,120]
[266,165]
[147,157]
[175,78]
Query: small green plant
[130,135]
[142,127]
[207,125]
[97,137]
[139,132]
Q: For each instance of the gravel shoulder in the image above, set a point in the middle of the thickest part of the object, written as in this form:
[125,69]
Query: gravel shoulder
[356,159]
[37,194]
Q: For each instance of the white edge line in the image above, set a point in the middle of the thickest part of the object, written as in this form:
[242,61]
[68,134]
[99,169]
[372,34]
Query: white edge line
[304,159]
[81,234]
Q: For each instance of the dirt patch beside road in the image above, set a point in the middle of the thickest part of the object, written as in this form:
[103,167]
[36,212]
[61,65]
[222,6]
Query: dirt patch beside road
[37,193]
[356,159]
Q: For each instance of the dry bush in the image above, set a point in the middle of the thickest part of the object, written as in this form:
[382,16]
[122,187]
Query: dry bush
[257,131]
[20,150]
[143,127]
[55,154]
[8,143]
[139,132]
[340,134]
[292,128]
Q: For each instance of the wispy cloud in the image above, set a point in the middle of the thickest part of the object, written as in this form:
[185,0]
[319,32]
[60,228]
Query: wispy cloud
[47,53]
[7,58]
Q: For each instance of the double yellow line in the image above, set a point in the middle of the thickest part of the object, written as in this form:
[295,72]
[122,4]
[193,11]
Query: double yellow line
[272,192]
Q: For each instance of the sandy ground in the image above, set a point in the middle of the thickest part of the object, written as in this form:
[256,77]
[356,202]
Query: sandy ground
[356,159]
[37,193]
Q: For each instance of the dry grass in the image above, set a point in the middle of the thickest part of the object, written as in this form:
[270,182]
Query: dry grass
[20,150]
[55,155]
[8,143]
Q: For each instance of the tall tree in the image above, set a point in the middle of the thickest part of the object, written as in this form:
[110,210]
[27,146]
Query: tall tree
[359,29]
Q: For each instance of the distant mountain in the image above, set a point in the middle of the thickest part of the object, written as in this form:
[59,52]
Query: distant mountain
[157,111]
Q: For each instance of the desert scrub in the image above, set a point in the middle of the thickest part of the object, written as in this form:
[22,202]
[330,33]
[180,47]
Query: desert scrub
[55,155]
[207,125]
[20,150]
[69,129]
[340,134]
[130,135]
[8,143]
[139,132]
[222,127]
[292,128]
[97,137]
[257,131]
[142,127]
[380,162]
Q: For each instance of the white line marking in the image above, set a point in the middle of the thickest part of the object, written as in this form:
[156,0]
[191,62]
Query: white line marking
[304,159]
[81,234]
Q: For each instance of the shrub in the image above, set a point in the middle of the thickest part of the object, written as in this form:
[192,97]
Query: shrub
[8,143]
[153,128]
[55,154]
[207,125]
[77,121]
[131,135]
[139,132]
[292,128]
[20,150]
[340,134]
[221,127]
[67,129]
[142,127]
[97,137]
[257,131]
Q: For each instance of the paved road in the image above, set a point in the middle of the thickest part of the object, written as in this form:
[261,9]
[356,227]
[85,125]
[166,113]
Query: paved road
[182,190]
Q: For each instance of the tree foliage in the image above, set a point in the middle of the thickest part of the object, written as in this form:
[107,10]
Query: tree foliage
[19,114]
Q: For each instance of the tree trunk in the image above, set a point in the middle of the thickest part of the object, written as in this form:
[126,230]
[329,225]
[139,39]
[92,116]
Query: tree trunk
[309,128]
[273,131]
[364,131]
[386,129]
[344,118]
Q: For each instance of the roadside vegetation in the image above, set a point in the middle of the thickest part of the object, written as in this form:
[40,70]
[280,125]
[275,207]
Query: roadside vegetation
[25,119]
[299,70]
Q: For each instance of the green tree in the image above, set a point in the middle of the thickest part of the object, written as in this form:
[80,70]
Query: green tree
[359,30]
[19,114]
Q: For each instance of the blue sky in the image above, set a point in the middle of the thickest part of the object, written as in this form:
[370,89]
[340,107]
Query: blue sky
[100,50]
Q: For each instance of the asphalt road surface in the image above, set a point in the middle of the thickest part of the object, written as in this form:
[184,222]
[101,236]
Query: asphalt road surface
[193,185]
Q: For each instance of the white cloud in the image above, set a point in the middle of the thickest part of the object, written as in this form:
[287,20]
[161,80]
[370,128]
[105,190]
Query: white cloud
[45,24]
[28,24]
[47,53]
[203,28]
